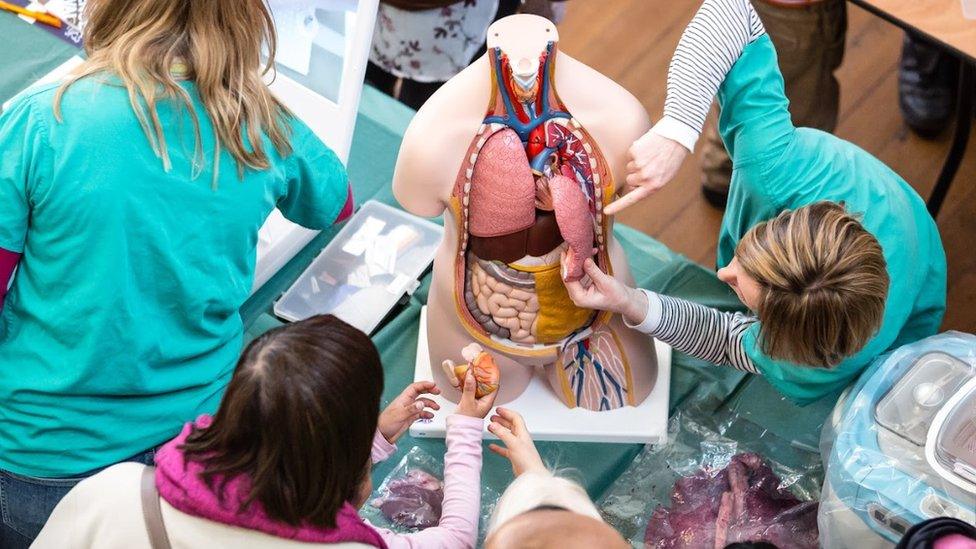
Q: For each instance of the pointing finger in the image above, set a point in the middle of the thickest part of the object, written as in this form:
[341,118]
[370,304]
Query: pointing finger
[628,200]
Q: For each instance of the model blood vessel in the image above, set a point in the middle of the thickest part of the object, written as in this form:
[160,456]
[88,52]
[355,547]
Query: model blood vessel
[521,174]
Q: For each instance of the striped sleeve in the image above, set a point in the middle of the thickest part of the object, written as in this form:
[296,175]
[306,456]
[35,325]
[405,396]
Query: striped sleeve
[709,47]
[702,332]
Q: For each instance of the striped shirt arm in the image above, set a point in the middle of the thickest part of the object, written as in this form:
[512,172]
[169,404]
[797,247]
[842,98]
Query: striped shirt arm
[702,332]
[710,45]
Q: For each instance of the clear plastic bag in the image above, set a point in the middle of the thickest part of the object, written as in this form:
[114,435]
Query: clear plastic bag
[901,444]
[672,496]
[410,497]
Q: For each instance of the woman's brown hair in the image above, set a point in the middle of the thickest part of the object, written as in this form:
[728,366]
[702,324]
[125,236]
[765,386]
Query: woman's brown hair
[219,42]
[297,420]
[823,284]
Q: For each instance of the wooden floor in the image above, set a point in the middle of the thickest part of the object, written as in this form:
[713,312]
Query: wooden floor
[631,41]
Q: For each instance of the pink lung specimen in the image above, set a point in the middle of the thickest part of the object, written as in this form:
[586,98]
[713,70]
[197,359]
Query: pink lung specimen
[575,223]
[502,188]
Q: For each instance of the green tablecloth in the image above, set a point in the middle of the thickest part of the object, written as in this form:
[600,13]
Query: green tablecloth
[29,53]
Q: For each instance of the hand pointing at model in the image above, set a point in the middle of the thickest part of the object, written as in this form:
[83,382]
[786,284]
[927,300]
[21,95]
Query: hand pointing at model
[654,161]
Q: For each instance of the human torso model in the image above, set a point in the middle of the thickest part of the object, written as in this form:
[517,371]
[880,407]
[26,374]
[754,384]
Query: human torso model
[522,173]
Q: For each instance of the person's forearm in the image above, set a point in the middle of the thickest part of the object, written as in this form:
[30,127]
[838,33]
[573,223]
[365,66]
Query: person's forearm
[710,45]
[382,448]
[8,262]
[461,509]
[702,332]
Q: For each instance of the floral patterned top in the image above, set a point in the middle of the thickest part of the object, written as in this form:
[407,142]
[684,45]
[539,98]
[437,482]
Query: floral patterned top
[430,45]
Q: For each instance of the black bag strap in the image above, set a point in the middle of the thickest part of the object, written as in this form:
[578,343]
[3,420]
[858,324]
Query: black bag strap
[152,512]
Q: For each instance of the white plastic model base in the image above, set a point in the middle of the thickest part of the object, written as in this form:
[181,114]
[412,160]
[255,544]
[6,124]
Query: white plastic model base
[549,419]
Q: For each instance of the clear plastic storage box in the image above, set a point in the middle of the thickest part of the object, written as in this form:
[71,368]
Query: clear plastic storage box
[377,258]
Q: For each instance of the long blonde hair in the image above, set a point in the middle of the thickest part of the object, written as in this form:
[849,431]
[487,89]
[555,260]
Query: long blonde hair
[220,44]
[823,284]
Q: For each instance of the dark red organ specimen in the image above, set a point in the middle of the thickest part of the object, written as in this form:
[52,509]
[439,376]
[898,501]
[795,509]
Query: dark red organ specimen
[743,502]
[413,500]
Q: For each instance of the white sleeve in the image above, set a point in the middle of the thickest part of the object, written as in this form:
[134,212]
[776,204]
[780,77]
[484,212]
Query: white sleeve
[533,489]
[710,45]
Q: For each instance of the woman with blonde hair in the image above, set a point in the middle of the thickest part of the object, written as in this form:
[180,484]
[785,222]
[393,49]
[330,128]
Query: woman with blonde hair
[131,196]
[814,279]
[834,253]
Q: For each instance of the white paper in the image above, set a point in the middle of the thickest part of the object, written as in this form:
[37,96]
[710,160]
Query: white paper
[364,237]
[403,236]
[402,284]
[381,257]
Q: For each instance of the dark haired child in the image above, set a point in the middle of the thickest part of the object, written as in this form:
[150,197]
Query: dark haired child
[286,459]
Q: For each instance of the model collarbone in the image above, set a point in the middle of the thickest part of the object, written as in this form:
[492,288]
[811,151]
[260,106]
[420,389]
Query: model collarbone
[533,185]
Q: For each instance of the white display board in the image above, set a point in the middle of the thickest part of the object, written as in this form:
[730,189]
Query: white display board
[547,418]
[323,48]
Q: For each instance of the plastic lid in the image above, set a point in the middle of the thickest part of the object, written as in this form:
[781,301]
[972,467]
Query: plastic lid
[370,264]
[955,436]
[910,405]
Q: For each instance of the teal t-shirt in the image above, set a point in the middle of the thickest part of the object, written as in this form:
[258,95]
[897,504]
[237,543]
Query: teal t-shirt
[777,167]
[122,321]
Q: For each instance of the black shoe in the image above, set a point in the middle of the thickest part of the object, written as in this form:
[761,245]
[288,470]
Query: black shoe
[927,80]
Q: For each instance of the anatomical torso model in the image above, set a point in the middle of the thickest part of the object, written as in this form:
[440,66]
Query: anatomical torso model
[522,174]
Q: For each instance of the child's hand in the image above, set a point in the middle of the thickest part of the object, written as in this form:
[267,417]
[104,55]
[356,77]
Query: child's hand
[519,449]
[407,408]
[607,294]
[470,405]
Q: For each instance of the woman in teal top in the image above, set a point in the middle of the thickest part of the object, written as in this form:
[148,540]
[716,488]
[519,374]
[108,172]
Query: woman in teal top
[834,253]
[135,194]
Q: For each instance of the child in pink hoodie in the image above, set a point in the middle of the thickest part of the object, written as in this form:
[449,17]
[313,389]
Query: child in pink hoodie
[286,459]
